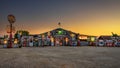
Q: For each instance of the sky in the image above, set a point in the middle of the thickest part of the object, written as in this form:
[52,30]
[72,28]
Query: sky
[90,17]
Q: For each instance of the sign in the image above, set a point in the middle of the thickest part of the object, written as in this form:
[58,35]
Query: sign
[11,18]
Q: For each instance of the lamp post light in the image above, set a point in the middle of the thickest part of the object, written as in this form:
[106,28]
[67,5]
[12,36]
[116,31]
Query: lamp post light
[11,19]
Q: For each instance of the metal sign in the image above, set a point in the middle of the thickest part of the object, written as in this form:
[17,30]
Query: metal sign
[11,19]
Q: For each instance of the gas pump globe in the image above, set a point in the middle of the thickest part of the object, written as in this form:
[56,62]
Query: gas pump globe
[52,39]
[5,41]
[16,41]
[92,39]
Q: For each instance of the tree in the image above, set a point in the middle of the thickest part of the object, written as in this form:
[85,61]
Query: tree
[21,33]
[16,35]
[114,35]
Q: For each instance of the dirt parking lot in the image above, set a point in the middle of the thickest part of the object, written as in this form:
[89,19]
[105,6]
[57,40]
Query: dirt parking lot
[60,57]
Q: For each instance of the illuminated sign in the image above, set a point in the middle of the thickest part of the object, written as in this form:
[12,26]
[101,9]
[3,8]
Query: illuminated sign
[60,32]
[92,39]
[83,37]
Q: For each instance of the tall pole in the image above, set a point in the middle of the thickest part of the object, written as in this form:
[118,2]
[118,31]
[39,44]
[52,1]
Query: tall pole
[10,45]
[11,20]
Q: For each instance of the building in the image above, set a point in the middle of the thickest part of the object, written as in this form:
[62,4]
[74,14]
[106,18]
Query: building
[60,37]
[86,40]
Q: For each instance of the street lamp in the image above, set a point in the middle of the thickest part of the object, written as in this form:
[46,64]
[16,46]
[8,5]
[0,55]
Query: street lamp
[11,19]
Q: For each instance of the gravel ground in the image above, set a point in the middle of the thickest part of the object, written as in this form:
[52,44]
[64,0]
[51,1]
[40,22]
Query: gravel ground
[60,57]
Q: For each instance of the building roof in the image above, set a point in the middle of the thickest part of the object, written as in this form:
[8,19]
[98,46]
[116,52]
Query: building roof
[105,37]
[64,30]
[60,29]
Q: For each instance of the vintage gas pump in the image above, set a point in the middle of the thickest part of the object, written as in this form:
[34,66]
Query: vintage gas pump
[52,41]
[5,43]
[15,43]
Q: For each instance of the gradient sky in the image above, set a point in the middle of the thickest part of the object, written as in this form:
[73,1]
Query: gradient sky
[91,17]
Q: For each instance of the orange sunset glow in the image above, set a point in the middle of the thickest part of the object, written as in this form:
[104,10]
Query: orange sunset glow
[84,17]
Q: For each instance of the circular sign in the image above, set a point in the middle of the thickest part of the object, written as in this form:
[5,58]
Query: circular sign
[11,18]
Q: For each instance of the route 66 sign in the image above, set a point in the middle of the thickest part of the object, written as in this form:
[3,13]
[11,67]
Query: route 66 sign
[11,18]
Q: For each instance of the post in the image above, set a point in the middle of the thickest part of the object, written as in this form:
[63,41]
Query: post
[10,45]
[11,19]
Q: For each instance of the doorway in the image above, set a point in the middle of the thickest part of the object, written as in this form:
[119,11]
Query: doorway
[59,41]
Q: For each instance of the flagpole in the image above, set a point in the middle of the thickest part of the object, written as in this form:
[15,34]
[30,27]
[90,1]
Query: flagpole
[59,24]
